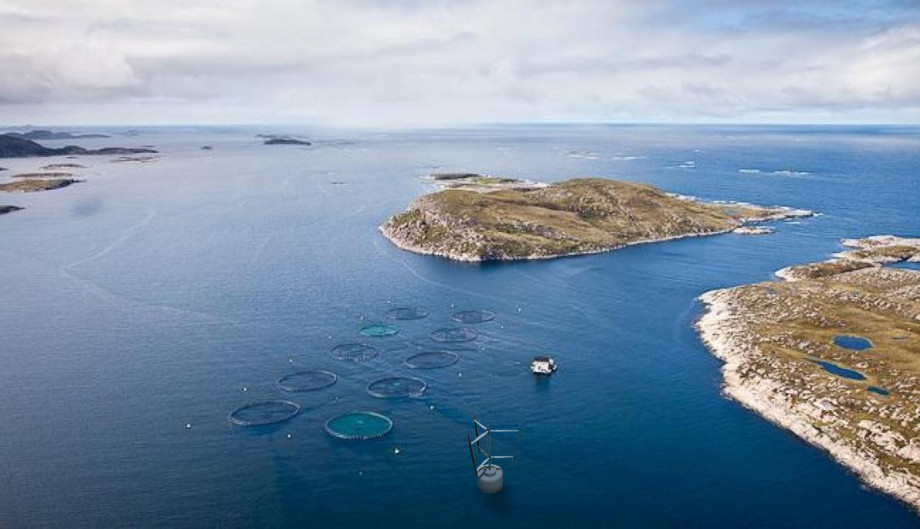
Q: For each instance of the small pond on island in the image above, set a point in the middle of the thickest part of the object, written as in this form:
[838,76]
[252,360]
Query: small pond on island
[840,371]
[854,343]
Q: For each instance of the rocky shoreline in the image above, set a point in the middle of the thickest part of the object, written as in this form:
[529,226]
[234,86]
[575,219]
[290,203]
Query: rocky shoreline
[769,335]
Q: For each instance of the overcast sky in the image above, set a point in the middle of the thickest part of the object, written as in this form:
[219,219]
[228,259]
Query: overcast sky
[416,62]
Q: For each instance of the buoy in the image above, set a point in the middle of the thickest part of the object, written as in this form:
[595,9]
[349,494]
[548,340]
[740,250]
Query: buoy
[431,407]
[490,479]
[396,450]
[188,425]
[289,436]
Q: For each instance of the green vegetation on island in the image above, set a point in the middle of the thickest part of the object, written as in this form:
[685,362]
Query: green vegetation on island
[486,218]
[31,185]
[784,358]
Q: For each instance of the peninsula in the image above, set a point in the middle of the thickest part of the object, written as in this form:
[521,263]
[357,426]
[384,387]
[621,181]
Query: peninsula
[832,353]
[14,146]
[477,218]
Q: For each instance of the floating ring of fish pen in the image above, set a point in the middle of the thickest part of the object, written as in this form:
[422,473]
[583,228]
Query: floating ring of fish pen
[264,413]
[353,352]
[473,316]
[397,387]
[432,360]
[307,381]
[454,335]
[359,425]
[379,330]
[407,313]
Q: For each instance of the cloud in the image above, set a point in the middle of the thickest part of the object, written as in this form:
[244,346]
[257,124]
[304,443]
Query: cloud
[366,62]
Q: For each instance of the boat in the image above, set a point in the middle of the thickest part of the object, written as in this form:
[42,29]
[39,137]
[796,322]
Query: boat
[543,365]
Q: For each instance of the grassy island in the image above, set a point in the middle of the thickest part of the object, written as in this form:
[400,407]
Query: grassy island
[789,356]
[30,185]
[478,218]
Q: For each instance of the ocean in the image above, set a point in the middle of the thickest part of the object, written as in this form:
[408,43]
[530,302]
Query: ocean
[140,307]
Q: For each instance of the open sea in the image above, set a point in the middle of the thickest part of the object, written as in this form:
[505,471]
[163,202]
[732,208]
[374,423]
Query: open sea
[139,308]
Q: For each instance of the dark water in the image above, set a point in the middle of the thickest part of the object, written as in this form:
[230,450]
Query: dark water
[878,391]
[906,265]
[855,343]
[840,371]
[162,295]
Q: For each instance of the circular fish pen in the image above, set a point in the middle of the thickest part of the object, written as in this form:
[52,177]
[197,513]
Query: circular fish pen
[264,413]
[360,425]
[454,335]
[353,352]
[307,381]
[407,313]
[396,388]
[473,316]
[432,360]
[379,330]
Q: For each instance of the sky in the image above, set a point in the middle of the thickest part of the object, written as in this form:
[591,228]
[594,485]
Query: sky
[405,63]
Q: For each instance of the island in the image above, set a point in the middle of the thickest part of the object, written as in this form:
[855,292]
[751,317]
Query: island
[831,352]
[12,146]
[4,209]
[272,139]
[31,185]
[478,218]
[41,134]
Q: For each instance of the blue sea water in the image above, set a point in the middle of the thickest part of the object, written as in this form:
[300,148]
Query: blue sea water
[142,306]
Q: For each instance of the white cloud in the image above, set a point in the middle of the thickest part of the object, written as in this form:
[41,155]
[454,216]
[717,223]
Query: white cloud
[429,62]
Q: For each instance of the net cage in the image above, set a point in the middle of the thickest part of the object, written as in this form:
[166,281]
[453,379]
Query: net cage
[264,413]
[313,380]
[453,335]
[379,330]
[396,387]
[407,313]
[432,360]
[353,352]
[359,425]
[473,316]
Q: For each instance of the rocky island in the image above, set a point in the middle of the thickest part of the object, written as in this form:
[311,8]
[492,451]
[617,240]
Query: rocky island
[4,209]
[31,185]
[476,218]
[832,353]
[41,134]
[274,139]
[14,146]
